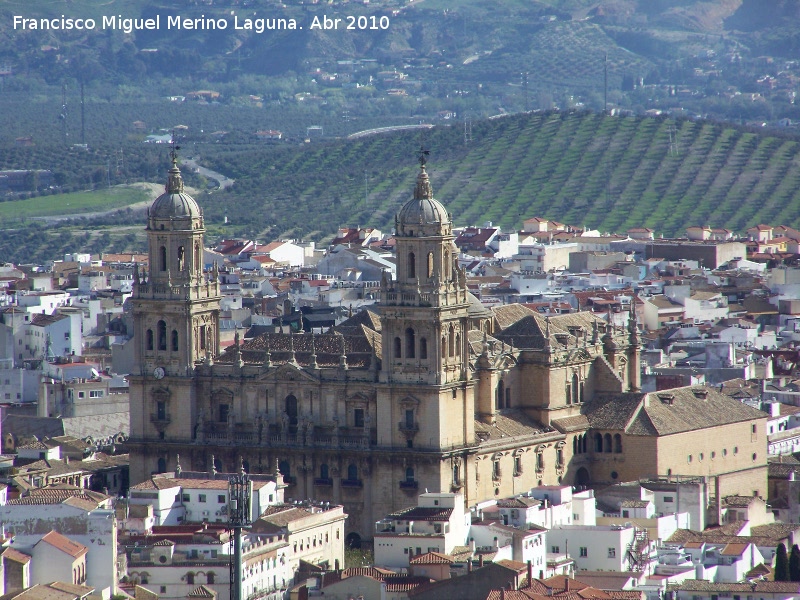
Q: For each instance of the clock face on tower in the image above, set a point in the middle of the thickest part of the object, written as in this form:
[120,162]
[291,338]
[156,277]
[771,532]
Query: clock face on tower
[158,372]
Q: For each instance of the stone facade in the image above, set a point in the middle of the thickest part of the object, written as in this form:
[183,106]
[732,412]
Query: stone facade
[433,392]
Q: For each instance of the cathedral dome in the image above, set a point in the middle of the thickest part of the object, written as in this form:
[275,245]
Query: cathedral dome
[423,210]
[174,203]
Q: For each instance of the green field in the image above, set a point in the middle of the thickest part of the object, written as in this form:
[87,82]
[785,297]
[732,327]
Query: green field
[72,204]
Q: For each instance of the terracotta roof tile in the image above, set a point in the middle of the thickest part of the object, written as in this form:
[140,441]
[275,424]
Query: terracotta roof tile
[64,544]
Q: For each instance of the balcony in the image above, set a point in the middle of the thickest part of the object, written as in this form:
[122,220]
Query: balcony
[408,428]
[323,481]
[352,483]
[409,484]
[164,418]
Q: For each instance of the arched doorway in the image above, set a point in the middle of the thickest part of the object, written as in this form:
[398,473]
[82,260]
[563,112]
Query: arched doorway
[353,540]
[582,477]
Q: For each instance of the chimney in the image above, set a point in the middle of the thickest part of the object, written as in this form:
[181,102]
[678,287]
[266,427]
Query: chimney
[530,573]
[566,584]
[469,565]
[480,560]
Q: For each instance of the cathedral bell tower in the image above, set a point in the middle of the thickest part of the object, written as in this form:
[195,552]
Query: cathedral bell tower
[425,310]
[175,305]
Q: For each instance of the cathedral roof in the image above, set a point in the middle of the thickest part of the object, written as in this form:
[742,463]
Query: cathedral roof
[528,331]
[174,203]
[667,412]
[358,344]
[509,423]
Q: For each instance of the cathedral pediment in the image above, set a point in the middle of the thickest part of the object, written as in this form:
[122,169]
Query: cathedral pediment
[288,372]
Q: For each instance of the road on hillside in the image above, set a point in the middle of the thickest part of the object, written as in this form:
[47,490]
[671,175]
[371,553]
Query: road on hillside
[224,182]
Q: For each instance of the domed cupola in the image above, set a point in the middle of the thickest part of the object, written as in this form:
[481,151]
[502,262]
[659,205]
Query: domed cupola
[423,215]
[174,209]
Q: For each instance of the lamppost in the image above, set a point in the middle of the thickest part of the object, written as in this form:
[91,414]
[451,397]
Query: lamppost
[240,489]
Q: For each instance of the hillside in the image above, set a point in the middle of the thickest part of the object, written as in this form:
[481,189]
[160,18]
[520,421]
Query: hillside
[610,173]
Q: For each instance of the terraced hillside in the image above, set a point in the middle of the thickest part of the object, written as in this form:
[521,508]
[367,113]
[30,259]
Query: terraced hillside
[609,173]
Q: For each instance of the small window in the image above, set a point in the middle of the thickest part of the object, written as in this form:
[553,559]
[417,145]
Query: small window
[584,551]
[185,497]
[612,553]
[201,497]
[555,549]
[358,417]
[221,499]
[669,499]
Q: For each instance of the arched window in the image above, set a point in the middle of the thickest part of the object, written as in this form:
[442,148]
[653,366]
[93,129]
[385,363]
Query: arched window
[410,343]
[198,260]
[218,464]
[162,335]
[568,390]
[190,578]
[575,388]
[409,473]
[598,442]
[458,345]
[444,347]
[149,339]
[162,258]
[181,258]
[202,337]
[430,264]
[581,392]
[352,472]
[162,465]
[423,348]
[540,461]
[498,395]
[412,265]
[559,457]
[451,342]
[324,473]
[174,340]
[617,443]
[446,267]
[607,442]
[283,467]
[456,475]
[291,409]
[397,346]
[210,577]
[576,445]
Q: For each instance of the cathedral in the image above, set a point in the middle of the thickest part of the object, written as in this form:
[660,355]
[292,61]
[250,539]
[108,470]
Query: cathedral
[427,391]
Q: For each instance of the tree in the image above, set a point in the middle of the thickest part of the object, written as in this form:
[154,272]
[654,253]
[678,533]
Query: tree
[781,563]
[794,564]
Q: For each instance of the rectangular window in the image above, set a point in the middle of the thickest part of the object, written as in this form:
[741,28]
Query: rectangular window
[584,551]
[224,410]
[186,497]
[81,394]
[201,497]
[612,553]
[96,394]
[358,417]
[668,499]
[213,554]
[221,499]
[555,549]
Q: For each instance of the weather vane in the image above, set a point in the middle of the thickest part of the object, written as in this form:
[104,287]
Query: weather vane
[422,156]
[173,147]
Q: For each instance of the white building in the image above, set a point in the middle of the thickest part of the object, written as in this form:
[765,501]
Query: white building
[437,524]
[598,547]
[197,497]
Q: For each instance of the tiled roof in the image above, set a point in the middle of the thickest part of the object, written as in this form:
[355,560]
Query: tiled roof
[733,549]
[767,587]
[423,513]
[63,543]
[668,412]
[15,555]
[738,501]
[509,423]
[431,558]
[202,592]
